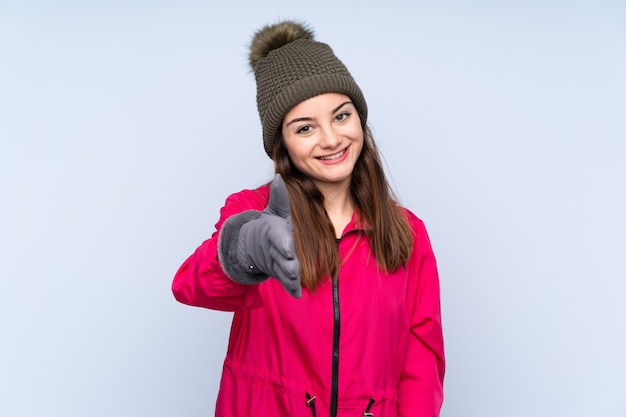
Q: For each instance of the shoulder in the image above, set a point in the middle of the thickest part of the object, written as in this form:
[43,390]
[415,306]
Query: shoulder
[415,223]
[249,199]
[422,246]
[421,239]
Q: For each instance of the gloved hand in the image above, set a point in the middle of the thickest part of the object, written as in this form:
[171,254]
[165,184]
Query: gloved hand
[254,245]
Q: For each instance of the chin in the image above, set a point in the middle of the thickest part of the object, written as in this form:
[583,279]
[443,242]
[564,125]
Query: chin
[336,180]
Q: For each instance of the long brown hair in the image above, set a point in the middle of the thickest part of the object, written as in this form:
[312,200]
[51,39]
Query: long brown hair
[389,234]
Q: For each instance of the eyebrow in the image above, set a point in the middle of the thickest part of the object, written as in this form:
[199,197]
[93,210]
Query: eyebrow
[306,119]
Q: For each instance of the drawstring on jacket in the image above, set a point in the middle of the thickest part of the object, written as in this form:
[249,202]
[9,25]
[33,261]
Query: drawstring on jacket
[310,402]
[367,409]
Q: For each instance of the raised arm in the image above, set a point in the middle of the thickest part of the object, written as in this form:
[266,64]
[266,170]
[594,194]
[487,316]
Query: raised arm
[200,281]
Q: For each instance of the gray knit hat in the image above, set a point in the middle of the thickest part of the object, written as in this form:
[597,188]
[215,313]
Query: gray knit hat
[290,67]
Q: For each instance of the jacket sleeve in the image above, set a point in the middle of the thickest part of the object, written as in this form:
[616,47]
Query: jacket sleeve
[420,390]
[200,281]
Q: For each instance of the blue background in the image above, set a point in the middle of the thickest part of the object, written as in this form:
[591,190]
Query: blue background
[124,126]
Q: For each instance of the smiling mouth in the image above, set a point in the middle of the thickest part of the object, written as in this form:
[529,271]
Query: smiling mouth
[331,157]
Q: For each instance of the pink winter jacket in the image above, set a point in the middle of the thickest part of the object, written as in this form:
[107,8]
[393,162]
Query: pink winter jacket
[365,341]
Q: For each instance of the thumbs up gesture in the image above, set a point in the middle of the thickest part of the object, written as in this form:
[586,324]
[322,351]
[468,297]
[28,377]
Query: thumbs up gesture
[264,245]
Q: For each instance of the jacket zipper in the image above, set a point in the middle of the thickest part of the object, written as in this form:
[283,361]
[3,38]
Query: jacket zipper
[334,388]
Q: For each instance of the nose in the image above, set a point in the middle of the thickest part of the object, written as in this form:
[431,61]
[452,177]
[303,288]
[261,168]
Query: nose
[330,138]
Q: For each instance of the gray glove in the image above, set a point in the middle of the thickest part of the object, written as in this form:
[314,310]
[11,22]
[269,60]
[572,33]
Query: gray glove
[255,245]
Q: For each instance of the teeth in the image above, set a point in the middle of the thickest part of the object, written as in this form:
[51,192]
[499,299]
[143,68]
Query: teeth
[330,158]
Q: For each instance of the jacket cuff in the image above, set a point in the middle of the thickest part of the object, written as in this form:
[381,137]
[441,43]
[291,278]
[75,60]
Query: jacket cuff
[232,253]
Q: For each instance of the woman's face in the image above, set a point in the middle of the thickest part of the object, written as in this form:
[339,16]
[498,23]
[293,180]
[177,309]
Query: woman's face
[324,138]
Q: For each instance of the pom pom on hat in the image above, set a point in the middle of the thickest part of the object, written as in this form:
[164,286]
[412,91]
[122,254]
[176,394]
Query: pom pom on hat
[271,37]
[291,67]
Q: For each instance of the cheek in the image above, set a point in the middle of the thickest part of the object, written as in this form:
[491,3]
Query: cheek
[287,143]
[297,148]
[294,153]
[360,138]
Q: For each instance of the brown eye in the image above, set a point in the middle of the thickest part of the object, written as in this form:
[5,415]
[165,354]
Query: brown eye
[342,116]
[304,129]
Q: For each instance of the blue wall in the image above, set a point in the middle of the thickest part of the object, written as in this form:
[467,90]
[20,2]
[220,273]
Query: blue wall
[124,126]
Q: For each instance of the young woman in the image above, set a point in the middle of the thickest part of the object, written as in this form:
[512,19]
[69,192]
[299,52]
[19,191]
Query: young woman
[333,286]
